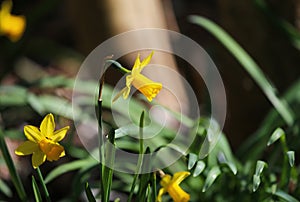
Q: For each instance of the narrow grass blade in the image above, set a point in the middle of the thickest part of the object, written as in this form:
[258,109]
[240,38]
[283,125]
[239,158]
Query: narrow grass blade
[249,65]
[44,187]
[89,193]
[4,188]
[285,196]
[36,191]
[145,177]
[12,170]
[140,159]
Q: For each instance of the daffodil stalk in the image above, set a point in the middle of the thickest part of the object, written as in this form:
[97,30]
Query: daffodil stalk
[36,191]
[12,170]
[140,158]
[106,151]
[44,187]
[285,173]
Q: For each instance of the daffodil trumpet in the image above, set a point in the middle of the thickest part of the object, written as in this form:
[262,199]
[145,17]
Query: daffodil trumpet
[145,85]
[171,186]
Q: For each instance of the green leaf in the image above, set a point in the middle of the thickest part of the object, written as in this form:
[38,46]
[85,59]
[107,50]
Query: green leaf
[276,135]
[285,196]
[89,193]
[211,177]
[291,157]
[222,159]
[249,65]
[260,165]
[199,168]
[74,165]
[12,95]
[256,182]
[35,103]
[4,188]
[12,169]
[36,191]
[192,160]
[145,177]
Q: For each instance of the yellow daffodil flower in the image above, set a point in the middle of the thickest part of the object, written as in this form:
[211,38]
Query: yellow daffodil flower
[171,186]
[12,26]
[146,86]
[43,142]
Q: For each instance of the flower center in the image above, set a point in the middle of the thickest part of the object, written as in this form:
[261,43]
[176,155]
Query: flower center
[52,150]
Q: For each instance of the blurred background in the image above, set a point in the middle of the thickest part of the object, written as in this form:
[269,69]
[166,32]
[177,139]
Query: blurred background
[60,34]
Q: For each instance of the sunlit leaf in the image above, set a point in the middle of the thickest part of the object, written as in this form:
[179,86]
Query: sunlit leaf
[256,182]
[260,165]
[211,177]
[222,159]
[192,160]
[291,157]
[199,168]
[285,196]
[277,134]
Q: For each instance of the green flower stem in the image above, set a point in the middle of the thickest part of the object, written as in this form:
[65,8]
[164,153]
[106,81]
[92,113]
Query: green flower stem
[12,170]
[36,191]
[140,159]
[285,174]
[101,153]
[100,136]
[118,66]
[109,162]
[44,188]
[106,152]
[154,194]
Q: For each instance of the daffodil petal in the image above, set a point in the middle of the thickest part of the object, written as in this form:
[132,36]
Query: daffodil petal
[137,62]
[161,192]
[129,80]
[62,154]
[126,92]
[32,133]
[27,148]
[179,177]
[48,125]
[146,61]
[38,158]
[6,6]
[60,134]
